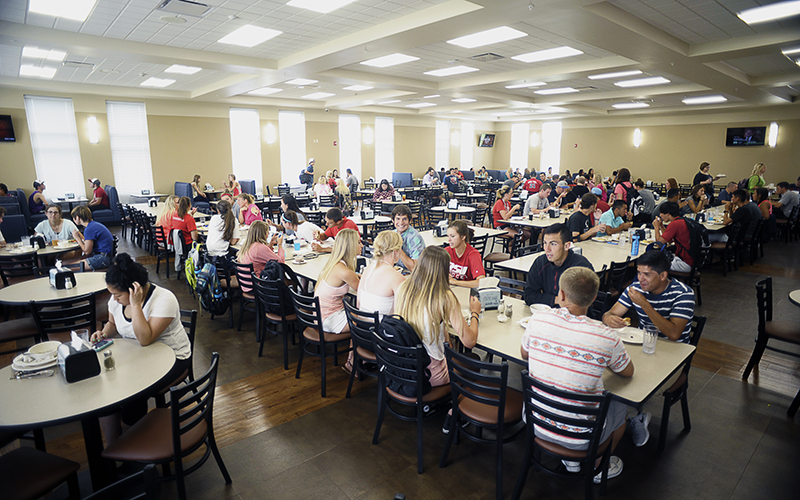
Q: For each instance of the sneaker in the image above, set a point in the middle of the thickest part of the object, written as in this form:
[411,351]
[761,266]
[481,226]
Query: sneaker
[446,426]
[614,469]
[639,430]
[572,466]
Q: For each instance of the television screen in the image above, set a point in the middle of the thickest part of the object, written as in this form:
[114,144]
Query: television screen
[486,141]
[6,129]
[746,136]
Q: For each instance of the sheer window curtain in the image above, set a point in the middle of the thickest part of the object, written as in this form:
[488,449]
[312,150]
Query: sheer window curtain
[292,140]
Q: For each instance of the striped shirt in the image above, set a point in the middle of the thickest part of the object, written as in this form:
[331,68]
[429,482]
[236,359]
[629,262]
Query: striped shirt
[676,301]
[571,353]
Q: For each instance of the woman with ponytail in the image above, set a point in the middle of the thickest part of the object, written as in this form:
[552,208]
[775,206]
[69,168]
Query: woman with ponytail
[223,231]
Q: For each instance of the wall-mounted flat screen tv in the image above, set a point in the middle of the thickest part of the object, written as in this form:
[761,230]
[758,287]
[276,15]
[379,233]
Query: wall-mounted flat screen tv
[6,129]
[486,141]
[746,136]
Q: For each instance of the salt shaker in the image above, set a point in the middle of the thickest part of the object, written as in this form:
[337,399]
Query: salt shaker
[509,311]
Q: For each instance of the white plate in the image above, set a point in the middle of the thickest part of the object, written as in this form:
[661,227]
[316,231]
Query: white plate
[22,368]
[630,335]
[517,217]
[539,307]
[18,364]
[299,263]
[524,322]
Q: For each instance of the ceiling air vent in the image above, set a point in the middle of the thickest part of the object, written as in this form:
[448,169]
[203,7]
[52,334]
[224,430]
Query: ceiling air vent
[486,57]
[79,65]
[185,7]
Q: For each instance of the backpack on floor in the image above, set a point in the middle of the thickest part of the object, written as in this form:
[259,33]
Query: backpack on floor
[395,330]
[192,266]
[209,291]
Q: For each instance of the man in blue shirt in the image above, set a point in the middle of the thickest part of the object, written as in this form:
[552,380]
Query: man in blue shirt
[413,244]
[451,181]
[614,218]
[96,242]
[726,194]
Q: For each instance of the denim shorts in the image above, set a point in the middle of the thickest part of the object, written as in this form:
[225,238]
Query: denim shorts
[98,261]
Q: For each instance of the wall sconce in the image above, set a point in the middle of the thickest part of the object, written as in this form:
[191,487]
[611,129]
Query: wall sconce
[455,138]
[94,133]
[773,134]
[637,138]
[535,139]
[368,136]
[270,134]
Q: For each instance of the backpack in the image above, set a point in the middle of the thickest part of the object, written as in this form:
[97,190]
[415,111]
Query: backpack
[273,271]
[698,238]
[209,291]
[192,266]
[744,183]
[395,330]
[306,178]
[631,193]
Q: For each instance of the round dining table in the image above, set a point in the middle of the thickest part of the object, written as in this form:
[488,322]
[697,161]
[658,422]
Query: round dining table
[39,289]
[451,213]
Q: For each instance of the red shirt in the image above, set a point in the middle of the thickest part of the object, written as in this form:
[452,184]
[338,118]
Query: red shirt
[331,232]
[101,195]
[186,224]
[467,267]
[499,205]
[532,185]
[678,232]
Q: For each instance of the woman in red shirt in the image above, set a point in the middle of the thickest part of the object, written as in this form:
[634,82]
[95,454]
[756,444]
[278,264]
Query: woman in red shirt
[184,220]
[466,263]
[503,211]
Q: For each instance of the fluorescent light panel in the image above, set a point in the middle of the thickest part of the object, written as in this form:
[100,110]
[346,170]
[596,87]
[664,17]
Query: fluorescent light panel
[321,6]
[452,70]
[393,101]
[37,53]
[786,52]
[390,60]
[249,36]
[708,99]
[77,10]
[183,70]
[630,105]
[547,55]
[157,82]
[618,74]
[301,82]
[420,105]
[265,91]
[525,85]
[771,12]
[494,35]
[431,96]
[642,82]
[37,71]
[358,88]
[318,95]
[562,90]
[463,100]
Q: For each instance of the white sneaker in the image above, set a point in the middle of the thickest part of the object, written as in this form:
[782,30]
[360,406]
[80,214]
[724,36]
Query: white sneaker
[614,469]
[572,466]
[639,429]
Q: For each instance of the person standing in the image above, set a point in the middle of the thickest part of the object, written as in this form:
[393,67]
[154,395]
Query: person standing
[96,242]
[99,199]
[352,181]
[756,179]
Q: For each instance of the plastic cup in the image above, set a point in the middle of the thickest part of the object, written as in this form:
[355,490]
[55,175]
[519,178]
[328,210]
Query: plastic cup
[649,339]
[296,246]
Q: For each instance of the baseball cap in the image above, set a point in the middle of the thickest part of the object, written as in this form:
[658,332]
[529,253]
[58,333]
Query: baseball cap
[94,180]
[37,183]
[597,191]
[562,184]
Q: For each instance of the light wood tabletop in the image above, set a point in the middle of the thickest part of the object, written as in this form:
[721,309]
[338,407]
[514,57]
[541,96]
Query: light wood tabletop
[431,239]
[596,252]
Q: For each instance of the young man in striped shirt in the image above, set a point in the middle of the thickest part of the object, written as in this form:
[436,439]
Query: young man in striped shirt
[666,303]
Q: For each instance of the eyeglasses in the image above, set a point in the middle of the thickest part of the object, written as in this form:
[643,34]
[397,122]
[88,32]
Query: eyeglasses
[52,212]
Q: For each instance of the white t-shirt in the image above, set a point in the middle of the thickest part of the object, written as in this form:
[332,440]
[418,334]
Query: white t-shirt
[214,242]
[44,228]
[306,230]
[2,239]
[160,304]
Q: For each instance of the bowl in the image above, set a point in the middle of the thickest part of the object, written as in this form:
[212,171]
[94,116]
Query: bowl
[539,307]
[45,350]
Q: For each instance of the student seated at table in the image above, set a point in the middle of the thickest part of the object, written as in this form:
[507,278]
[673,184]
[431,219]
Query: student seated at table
[148,313]
[198,190]
[676,230]
[541,283]
[184,220]
[36,201]
[2,238]
[430,178]
[466,263]
[697,201]
[168,211]
[426,302]
[740,209]
[503,211]
[336,279]
[383,192]
[580,223]
[3,190]
[258,249]
[726,193]
[248,210]
[99,199]
[55,228]
[614,219]
[335,221]
[789,200]
[538,202]
[302,229]
[321,188]
[234,205]
[413,244]
[380,280]
[223,231]
[96,242]
[232,186]
[567,350]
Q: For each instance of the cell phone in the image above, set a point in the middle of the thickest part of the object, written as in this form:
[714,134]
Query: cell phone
[102,344]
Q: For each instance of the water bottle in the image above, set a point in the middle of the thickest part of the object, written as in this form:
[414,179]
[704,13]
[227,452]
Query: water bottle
[635,246]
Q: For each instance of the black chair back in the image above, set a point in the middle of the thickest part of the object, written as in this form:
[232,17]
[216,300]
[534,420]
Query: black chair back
[17,267]
[764,302]
[64,315]
[479,243]
[600,306]
[308,312]
[363,325]
[615,276]
[481,382]
[400,365]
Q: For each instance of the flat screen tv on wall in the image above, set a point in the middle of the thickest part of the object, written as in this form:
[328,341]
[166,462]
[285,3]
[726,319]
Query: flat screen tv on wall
[6,129]
[486,141]
[746,136]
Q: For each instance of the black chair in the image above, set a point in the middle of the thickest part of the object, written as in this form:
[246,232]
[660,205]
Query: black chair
[692,278]
[273,309]
[314,341]
[189,322]
[29,474]
[600,306]
[482,399]
[615,277]
[247,300]
[284,189]
[679,389]
[586,411]
[728,249]
[146,478]
[752,245]
[18,268]
[509,250]
[510,286]
[57,318]
[161,247]
[785,226]
[190,419]
[479,243]
[125,219]
[363,325]
[402,365]
[326,200]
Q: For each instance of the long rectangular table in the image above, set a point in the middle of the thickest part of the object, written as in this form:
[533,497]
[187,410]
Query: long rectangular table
[596,252]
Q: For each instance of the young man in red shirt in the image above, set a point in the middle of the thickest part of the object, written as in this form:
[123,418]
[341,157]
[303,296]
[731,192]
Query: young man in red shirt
[100,198]
[532,185]
[336,221]
[677,231]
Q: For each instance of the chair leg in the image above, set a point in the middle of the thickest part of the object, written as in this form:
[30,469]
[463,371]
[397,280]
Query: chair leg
[241,315]
[662,433]
[302,353]
[322,362]
[795,404]
[73,487]
[755,358]
[450,437]
[212,443]
[285,349]
[687,421]
[381,413]
[499,464]
[419,439]
[353,370]
[523,473]
[699,296]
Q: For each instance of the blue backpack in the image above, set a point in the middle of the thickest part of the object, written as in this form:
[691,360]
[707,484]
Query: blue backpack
[209,291]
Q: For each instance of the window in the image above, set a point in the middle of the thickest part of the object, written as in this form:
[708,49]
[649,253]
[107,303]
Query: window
[246,145]
[130,147]
[442,157]
[349,145]
[467,144]
[551,146]
[384,147]
[519,145]
[54,138]
[292,140]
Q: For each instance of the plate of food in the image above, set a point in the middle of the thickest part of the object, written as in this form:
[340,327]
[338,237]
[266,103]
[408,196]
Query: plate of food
[630,335]
[524,322]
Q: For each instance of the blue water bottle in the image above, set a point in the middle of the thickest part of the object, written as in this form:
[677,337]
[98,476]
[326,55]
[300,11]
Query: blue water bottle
[635,246]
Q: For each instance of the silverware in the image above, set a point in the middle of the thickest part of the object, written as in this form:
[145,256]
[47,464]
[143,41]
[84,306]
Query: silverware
[41,373]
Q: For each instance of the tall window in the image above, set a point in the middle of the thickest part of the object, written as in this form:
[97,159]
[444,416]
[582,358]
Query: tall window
[384,147]
[130,147]
[54,138]
[246,145]
[467,144]
[551,146]
[350,145]
[292,137]
[442,157]
[519,145]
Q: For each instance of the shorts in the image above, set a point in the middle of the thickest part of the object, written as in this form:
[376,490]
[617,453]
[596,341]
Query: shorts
[617,413]
[98,261]
[335,322]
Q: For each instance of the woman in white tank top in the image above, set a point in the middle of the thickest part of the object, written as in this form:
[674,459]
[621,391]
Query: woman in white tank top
[381,280]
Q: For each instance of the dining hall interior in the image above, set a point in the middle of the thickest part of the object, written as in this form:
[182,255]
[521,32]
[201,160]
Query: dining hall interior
[278,437]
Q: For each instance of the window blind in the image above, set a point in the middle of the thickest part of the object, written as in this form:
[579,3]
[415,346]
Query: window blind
[384,147]
[292,140]
[350,145]
[246,145]
[130,147]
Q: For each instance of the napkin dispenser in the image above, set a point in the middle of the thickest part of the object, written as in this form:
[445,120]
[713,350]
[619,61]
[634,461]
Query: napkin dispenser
[38,241]
[152,202]
[77,364]
[523,195]
[488,293]
[145,192]
[59,278]
[441,229]
[555,213]
[452,204]
[367,214]
[397,197]
[701,217]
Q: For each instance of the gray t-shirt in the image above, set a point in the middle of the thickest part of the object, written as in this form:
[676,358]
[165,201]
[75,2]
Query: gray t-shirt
[535,203]
[789,200]
[649,200]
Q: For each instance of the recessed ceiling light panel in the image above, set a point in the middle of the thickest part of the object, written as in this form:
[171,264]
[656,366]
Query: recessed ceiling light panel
[562,90]
[618,74]
[301,82]
[431,96]
[157,82]
[525,85]
[390,60]
[547,55]
[708,99]
[463,100]
[451,70]
[37,53]
[32,71]
[494,35]
[321,6]
[358,88]
[318,95]
[630,105]
[77,10]
[789,52]
[642,82]
[183,70]
[249,36]
[421,105]
[393,101]
[265,91]
[771,12]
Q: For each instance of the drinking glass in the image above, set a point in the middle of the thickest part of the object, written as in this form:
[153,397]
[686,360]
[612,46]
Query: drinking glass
[649,339]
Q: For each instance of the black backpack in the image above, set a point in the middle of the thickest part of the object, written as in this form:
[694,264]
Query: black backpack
[395,330]
[213,298]
[631,193]
[698,238]
[273,271]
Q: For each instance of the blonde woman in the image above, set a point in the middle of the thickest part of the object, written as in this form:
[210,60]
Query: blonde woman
[426,302]
[343,199]
[380,280]
[257,249]
[248,210]
[321,188]
[167,211]
[199,194]
[336,279]
[756,177]
[232,185]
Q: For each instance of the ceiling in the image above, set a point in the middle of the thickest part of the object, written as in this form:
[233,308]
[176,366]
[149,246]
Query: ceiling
[700,46]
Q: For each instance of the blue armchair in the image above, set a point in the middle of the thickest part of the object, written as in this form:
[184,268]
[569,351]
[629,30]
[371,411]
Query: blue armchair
[109,215]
